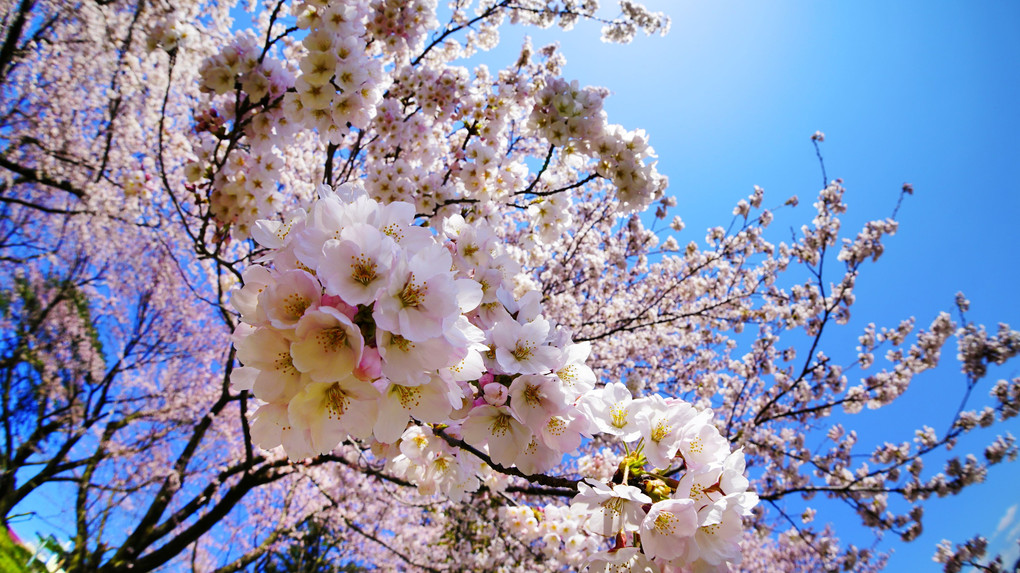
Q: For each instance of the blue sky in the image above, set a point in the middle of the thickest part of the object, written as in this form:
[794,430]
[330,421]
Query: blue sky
[915,92]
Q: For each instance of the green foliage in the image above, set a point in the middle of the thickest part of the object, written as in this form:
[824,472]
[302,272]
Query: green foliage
[16,559]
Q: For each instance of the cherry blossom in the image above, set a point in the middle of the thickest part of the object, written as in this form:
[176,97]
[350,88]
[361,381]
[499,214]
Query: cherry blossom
[331,271]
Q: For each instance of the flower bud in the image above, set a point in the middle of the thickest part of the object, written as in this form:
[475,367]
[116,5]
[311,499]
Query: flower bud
[495,394]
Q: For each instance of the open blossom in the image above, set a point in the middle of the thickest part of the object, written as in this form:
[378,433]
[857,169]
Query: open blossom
[268,351]
[660,425]
[667,527]
[563,433]
[536,398]
[537,457]
[286,300]
[430,402]
[717,539]
[420,300]
[327,345]
[329,411]
[521,348]
[576,376]
[499,429]
[700,442]
[611,509]
[613,411]
[411,363]
[357,265]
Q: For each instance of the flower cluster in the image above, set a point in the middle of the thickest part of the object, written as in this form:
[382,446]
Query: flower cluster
[402,25]
[169,34]
[656,521]
[240,64]
[243,184]
[340,83]
[626,158]
[370,327]
[565,113]
[349,331]
[366,321]
[558,530]
[570,117]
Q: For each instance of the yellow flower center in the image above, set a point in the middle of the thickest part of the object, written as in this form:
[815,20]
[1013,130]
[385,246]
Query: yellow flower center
[523,351]
[665,523]
[332,339]
[619,415]
[660,431]
[412,295]
[284,363]
[531,395]
[409,396]
[363,270]
[402,343]
[556,426]
[614,505]
[336,401]
[295,304]
[500,425]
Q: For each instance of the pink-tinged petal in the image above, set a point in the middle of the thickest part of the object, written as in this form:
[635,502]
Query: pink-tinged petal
[297,443]
[536,458]
[267,424]
[256,278]
[243,378]
[667,527]
[393,417]
[500,430]
[563,434]
[536,398]
[370,367]
[286,301]
[356,267]
[328,345]
[469,294]
[262,348]
[331,410]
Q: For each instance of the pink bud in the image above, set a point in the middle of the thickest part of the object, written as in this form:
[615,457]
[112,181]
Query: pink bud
[338,303]
[495,394]
[370,366]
